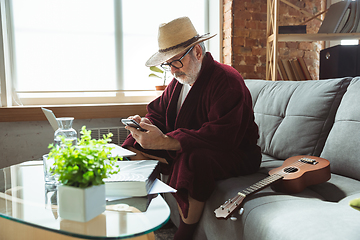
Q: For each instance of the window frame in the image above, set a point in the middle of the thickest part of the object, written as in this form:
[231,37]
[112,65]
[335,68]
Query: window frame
[9,97]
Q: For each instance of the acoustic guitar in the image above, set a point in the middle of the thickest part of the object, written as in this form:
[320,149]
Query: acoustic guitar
[295,174]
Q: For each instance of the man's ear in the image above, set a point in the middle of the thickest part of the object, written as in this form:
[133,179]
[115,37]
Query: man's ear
[198,51]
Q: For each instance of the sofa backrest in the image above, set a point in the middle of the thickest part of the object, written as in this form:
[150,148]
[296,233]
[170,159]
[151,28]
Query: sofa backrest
[295,117]
[342,147]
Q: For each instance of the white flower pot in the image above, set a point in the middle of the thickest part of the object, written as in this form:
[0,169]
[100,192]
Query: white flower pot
[81,204]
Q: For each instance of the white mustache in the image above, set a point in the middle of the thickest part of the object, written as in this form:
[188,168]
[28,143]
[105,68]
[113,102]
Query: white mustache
[179,74]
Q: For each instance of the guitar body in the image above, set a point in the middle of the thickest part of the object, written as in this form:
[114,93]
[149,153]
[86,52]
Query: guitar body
[298,175]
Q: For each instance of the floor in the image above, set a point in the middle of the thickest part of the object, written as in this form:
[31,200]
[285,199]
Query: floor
[166,232]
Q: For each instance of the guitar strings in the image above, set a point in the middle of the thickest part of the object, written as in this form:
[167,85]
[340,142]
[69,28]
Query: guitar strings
[296,165]
[234,203]
[282,172]
[247,191]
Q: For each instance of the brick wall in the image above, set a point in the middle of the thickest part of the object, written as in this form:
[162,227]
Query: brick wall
[244,42]
[227,32]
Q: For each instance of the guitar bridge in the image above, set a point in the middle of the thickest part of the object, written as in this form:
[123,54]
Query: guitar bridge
[308,161]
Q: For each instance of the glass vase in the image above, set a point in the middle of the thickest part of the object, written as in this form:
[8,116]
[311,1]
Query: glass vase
[65,129]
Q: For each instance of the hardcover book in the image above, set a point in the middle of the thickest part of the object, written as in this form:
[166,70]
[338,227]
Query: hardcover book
[135,178]
[292,29]
[288,70]
[350,20]
[282,72]
[304,68]
[334,16]
[140,203]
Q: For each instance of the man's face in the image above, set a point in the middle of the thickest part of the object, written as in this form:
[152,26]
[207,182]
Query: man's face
[190,70]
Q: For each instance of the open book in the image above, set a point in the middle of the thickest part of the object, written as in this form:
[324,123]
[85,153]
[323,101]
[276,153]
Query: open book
[134,179]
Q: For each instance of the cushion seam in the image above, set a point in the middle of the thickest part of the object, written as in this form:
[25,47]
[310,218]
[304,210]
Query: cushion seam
[287,104]
[327,118]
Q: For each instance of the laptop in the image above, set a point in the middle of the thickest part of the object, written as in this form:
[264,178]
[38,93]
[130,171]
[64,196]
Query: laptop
[51,118]
[117,150]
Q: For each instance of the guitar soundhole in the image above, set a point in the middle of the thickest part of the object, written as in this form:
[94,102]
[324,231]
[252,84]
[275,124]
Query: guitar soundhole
[291,169]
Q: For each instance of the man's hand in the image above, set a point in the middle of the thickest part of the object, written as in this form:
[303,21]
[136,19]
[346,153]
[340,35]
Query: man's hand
[138,119]
[154,138]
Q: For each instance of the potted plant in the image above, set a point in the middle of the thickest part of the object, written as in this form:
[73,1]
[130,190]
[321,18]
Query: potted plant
[159,73]
[81,170]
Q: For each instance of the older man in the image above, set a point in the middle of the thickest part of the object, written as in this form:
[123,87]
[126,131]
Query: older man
[201,128]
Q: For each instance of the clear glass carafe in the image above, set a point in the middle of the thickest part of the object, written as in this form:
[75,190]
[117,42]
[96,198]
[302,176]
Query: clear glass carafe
[65,129]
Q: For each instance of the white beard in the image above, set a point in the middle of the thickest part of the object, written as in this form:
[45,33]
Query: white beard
[191,76]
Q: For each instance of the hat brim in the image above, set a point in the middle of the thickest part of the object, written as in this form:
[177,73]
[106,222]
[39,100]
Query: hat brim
[161,57]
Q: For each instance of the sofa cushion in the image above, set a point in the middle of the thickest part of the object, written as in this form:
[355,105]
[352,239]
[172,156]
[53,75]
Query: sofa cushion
[337,188]
[295,118]
[346,201]
[305,219]
[342,147]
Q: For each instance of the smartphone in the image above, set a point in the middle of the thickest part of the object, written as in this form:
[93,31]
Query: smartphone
[132,123]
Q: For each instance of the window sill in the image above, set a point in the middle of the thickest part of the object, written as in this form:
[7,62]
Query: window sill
[81,111]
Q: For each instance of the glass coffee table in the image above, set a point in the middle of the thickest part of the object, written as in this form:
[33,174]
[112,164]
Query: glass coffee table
[28,210]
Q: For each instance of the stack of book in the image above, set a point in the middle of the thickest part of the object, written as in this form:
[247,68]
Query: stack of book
[135,179]
[132,185]
[293,70]
[342,17]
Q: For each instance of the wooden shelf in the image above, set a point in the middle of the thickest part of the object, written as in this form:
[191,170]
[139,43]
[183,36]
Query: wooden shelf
[273,38]
[315,37]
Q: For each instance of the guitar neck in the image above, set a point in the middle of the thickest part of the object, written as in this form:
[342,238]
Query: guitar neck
[260,185]
[226,209]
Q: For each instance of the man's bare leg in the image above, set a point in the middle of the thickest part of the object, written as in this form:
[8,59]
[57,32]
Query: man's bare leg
[195,211]
[188,225]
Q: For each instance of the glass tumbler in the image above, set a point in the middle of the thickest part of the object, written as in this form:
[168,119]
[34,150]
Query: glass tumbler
[49,175]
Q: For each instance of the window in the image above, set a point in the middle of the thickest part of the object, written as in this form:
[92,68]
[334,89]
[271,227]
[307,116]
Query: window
[350,42]
[88,51]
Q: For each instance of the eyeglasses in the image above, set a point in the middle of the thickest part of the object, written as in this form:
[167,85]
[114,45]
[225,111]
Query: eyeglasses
[176,63]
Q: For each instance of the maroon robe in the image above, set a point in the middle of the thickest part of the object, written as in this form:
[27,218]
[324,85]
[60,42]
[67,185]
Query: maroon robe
[215,127]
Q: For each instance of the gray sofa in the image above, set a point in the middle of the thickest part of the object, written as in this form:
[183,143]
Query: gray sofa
[317,118]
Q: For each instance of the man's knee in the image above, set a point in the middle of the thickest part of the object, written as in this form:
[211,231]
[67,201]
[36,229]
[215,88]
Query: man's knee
[203,156]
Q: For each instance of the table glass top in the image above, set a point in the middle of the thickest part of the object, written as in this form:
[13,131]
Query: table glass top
[25,198]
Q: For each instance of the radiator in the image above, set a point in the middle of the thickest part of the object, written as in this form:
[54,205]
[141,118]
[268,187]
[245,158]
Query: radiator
[119,133]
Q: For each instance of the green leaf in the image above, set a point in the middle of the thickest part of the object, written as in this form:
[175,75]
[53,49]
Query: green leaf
[86,164]
[156,69]
[154,75]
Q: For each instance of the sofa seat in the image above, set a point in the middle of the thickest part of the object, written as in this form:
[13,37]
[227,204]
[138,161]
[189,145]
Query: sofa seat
[301,219]
[309,206]
[314,206]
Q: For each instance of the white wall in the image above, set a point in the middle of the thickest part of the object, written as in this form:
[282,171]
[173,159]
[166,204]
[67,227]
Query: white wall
[23,141]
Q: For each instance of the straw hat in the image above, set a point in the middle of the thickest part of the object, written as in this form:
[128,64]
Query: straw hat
[173,38]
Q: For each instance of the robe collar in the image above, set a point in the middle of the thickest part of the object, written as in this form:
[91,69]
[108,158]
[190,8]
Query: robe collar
[185,114]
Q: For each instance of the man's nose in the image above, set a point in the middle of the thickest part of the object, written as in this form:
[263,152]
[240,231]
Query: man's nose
[174,70]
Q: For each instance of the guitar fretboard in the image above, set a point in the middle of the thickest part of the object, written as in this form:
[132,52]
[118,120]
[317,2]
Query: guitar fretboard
[260,185]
